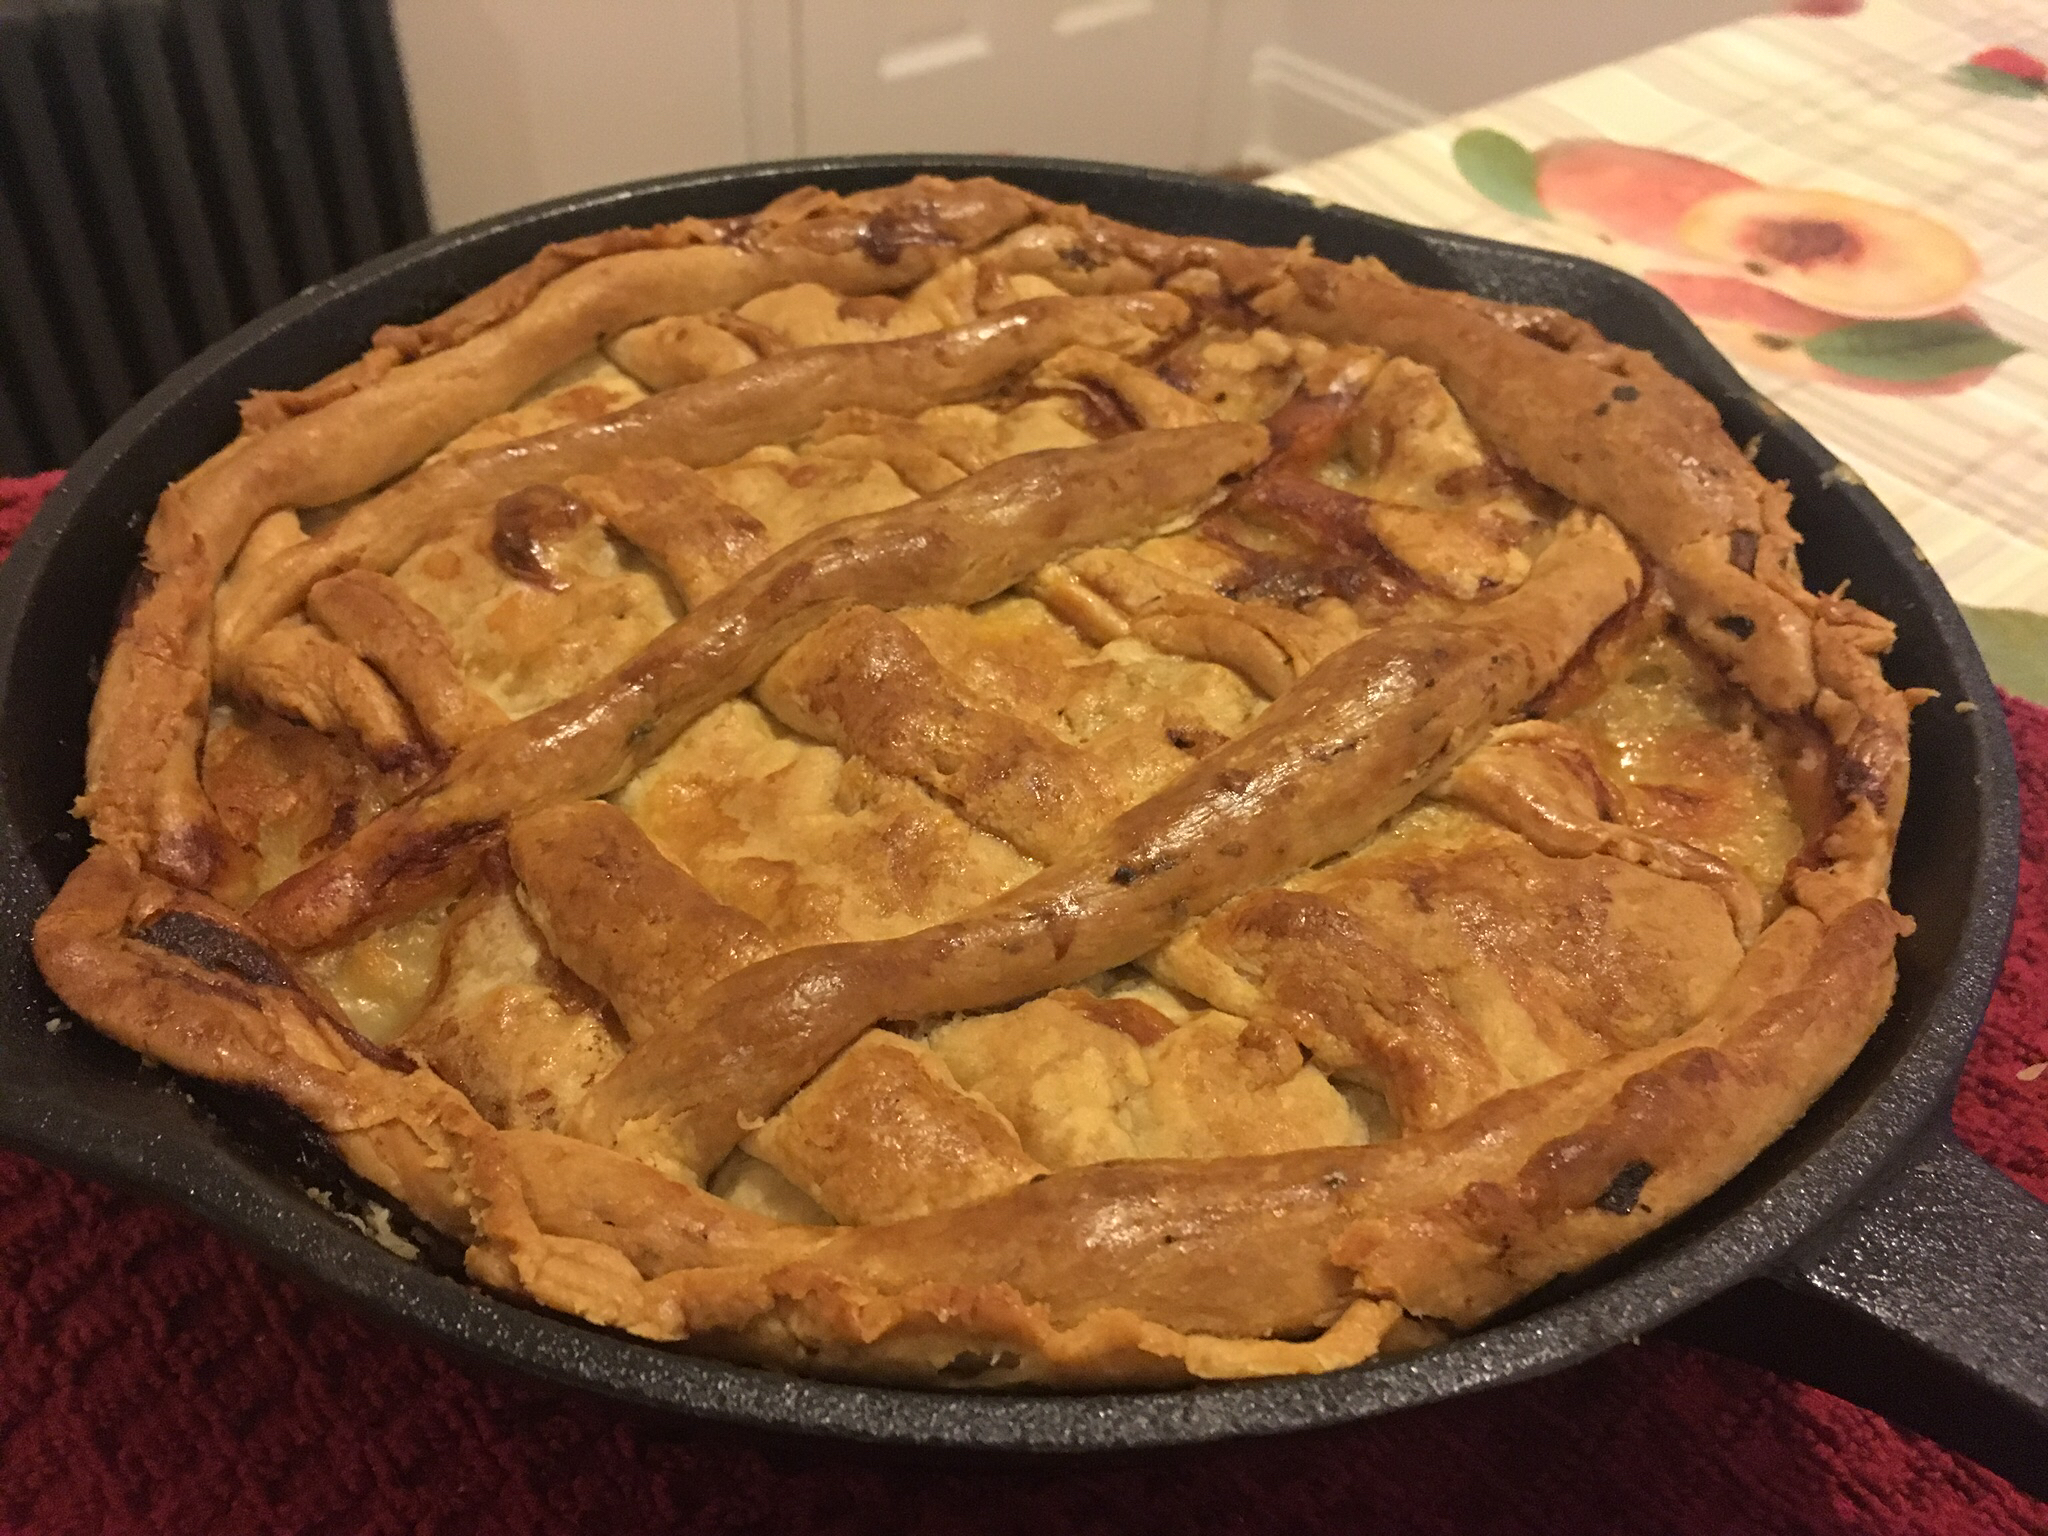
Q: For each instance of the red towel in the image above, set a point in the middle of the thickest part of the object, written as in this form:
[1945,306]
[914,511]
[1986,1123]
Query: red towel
[18,502]
[153,1379]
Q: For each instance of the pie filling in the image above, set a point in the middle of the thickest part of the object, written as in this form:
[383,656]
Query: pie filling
[969,794]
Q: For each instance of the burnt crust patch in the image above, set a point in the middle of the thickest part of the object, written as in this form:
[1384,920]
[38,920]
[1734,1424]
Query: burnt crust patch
[216,947]
[432,851]
[1742,549]
[1297,539]
[886,235]
[1625,1189]
[524,523]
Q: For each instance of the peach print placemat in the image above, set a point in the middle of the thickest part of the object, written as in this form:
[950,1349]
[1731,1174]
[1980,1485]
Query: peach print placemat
[1854,205]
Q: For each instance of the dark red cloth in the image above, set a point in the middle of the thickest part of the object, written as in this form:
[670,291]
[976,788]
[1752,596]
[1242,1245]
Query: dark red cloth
[154,1379]
[18,502]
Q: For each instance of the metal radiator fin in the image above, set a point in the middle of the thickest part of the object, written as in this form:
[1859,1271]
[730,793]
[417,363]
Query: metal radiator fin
[169,168]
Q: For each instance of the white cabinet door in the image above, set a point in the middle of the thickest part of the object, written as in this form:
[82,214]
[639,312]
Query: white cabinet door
[517,100]
[1097,79]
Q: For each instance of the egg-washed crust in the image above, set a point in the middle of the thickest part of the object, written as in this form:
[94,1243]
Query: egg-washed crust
[1109,1273]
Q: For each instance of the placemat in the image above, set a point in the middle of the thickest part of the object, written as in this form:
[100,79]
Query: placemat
[1851,199]
[154,1379]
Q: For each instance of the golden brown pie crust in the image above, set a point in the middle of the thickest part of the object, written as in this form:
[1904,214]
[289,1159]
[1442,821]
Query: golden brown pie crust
[1335,791]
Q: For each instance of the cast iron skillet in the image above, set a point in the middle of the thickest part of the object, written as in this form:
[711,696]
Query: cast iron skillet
[1913,1276]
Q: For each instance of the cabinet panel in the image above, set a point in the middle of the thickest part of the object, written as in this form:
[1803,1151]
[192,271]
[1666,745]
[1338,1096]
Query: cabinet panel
[517,100]
[1100,79]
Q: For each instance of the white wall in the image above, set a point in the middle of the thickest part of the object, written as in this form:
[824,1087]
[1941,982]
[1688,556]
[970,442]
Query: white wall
[518,100]
[1102,79]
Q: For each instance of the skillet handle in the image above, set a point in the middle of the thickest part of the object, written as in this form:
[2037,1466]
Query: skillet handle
[1926,1301]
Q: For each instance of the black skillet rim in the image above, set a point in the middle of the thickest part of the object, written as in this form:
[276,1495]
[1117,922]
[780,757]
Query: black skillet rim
[195,1167]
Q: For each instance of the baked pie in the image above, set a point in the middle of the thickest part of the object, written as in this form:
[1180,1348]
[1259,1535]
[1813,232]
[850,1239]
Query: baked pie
[929,786]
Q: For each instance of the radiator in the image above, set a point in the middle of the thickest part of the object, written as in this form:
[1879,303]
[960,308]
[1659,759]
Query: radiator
[169,168]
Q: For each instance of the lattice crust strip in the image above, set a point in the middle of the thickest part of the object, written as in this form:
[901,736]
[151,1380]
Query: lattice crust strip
[931,786]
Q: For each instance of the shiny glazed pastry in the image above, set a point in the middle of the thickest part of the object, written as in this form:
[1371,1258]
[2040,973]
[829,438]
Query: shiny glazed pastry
[929,786]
